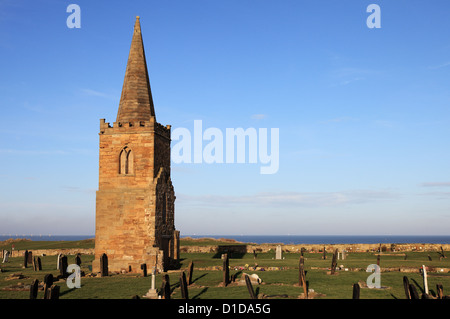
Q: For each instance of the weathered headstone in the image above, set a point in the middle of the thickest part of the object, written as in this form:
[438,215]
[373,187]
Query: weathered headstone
[58,261]
[103,265]
[378,259]
[356,291]
[165,287]
[183,286]
[5,256]
[226,270]
[324,253]
[190,272]
[63,264]
[278,252]
[250,287]
[425,279]
[34,289]
[78,260]
[48,282]
[30,257]
[406,287]
[429,258]
[25,259]
[144,270]
[39,264]
[334,262]
[302,276]
[53,292]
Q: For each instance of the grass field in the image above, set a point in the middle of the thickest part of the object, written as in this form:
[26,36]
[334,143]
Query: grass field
[282,283]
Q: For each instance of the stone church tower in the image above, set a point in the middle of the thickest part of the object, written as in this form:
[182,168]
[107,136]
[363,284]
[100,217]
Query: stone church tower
[134,222]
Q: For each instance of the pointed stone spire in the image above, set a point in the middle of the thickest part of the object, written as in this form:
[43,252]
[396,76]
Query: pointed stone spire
[136,102]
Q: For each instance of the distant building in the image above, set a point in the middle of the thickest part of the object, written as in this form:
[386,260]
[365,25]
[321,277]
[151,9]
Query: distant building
[135,199]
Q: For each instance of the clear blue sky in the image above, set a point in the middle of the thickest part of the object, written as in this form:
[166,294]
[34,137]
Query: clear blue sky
[363,114]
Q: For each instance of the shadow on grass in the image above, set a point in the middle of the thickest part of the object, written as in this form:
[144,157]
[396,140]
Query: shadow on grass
[200,293]
[198,278]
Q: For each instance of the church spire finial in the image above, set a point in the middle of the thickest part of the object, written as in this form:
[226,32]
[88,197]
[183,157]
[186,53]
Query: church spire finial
[136,102]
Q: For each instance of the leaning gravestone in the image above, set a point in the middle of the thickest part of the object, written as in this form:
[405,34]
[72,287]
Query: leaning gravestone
[183,286]
[226,270]
[190,272]
[58,261]
[5,256]
[250,287]
[334,262]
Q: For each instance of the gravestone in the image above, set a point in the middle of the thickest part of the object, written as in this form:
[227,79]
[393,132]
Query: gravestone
[78,260]
[356,291]
[152,293]
[165,287]
[30,257]
[144,270]
[104,265]
[378,259]
[226,270]
[324,253]
[278,252]
[249,287]
[25,259]
[425,279]
[5,256]
[302,276]
[63,264]
[58,261]
[334,262]
[48,282]
[183,286]
[190,272]
[34,289]
[53,292]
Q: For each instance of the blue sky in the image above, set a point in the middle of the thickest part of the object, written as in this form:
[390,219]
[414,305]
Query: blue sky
[363,114]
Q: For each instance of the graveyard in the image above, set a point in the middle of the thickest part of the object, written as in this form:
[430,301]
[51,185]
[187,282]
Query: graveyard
[231,274]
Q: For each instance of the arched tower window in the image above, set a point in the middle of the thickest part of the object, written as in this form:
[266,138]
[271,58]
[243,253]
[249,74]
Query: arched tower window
[126,161]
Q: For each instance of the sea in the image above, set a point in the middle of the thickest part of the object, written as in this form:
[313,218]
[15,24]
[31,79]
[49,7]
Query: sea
[281,239]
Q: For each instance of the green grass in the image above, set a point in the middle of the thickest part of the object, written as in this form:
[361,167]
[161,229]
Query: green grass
[207,283]
[32,245]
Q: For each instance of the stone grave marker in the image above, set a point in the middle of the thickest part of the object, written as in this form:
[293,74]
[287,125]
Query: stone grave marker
[278,252]
[250,287]
[5,256]
[34,289]
[58,261]
[165,287]
[190,272]
[226,270]
[302,276]
[78,260]
[25,259]
[48,282]
[63,264]
[53,292]
[406,287]
[183,286]
[334,262]
[104,265]
[356,291]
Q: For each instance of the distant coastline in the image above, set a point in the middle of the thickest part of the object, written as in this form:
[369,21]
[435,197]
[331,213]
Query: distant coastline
[280,239]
